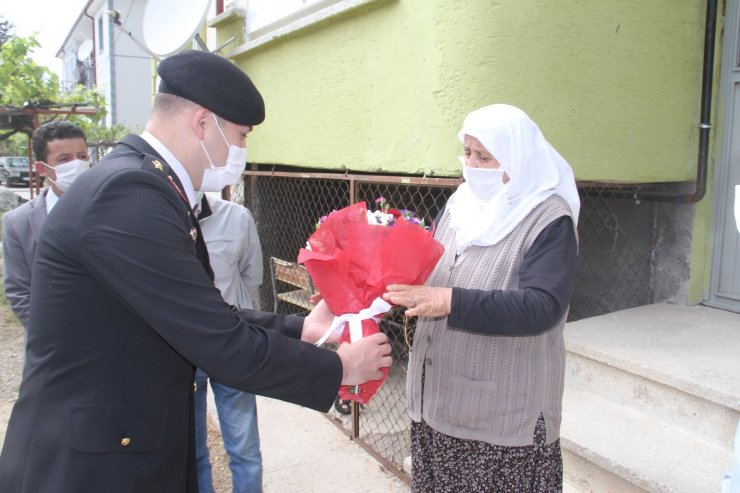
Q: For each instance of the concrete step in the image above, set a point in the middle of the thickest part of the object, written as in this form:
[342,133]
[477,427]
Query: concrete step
[705,418]
[652,399]
[570,488]
[676,363]
[611,448]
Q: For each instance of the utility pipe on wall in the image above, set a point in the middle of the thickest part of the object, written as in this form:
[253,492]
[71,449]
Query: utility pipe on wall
[94,50]
[700,186]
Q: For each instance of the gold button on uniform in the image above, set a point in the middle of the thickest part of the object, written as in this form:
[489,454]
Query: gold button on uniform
[125,441]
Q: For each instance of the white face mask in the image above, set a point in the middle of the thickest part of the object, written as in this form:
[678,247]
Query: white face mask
[217,178]
[485,183]
[67,173]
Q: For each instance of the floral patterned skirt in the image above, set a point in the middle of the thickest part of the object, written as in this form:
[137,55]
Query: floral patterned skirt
[441,463]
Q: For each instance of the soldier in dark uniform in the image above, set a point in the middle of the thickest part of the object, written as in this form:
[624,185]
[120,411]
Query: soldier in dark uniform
[123,307]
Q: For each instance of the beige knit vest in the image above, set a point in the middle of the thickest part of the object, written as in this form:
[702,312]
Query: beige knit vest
[482,387]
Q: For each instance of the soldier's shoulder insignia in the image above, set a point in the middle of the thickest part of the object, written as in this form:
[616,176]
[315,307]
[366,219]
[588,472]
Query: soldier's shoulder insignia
[153,163]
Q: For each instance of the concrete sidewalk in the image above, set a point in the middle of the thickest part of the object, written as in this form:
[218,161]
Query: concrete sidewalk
[302,451]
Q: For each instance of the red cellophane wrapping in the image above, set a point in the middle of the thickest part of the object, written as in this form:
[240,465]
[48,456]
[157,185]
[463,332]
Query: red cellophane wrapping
[351,262]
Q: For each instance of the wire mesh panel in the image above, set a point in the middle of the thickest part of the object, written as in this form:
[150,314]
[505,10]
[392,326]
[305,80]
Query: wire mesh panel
[425,201]
[286,209]
[616,266]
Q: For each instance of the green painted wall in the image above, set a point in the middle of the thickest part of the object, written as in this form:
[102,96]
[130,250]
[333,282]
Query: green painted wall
[614,85]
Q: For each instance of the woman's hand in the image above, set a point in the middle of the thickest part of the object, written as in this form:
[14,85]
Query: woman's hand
[421,301]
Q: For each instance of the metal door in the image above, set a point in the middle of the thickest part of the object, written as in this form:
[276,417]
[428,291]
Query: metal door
[725,286]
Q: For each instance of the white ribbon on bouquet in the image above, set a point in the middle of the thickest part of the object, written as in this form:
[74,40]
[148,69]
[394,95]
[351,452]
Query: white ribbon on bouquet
[378,307]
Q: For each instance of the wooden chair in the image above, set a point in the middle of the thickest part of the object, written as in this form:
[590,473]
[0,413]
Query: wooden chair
[296,277]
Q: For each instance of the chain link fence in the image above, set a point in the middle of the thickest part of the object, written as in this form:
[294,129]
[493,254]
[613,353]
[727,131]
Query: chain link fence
[620,243]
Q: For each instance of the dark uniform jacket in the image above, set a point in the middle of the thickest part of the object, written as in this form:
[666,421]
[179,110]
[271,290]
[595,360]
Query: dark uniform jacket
[122,309]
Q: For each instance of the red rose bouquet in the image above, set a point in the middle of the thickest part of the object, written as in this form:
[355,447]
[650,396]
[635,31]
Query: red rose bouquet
[353,255]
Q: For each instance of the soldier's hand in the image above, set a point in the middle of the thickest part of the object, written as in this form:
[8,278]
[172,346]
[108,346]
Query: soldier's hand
[315,298]
[363,359]
[317,323]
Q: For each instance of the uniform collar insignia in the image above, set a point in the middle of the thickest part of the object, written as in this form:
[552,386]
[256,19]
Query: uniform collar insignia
[158,165]
[194,233]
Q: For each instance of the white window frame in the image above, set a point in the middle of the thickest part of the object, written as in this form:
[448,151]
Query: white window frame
[293,20]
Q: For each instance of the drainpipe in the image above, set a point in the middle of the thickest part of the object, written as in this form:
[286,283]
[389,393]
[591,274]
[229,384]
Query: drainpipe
[704,127]
[112,56]
[94,50]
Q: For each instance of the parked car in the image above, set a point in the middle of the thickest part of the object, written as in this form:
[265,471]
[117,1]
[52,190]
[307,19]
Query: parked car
[14,170]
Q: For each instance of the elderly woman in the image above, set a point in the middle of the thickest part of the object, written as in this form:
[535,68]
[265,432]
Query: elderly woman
[485,378]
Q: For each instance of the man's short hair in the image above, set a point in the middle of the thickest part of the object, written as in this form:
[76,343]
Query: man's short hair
[55,130]
[168,104]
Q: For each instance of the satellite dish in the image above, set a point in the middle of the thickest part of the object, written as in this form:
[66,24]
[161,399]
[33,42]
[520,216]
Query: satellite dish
[84,50]
[170,24]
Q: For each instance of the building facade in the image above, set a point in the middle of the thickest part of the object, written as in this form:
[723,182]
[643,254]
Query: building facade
[98,55]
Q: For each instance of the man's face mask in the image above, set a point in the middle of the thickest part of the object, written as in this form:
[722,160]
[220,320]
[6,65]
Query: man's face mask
[67,173]
[218,177]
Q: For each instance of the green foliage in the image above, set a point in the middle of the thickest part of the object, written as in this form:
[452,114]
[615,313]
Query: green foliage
[24,83]
[21,79]
[15,145]
[6,30]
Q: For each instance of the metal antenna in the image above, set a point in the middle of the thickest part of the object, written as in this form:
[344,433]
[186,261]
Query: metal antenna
[115,17]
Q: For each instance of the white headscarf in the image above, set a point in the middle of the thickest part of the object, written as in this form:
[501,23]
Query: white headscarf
[535,169]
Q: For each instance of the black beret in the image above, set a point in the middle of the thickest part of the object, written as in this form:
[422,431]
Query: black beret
[213,82]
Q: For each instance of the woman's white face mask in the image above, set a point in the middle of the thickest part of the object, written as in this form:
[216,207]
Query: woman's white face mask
[485,183]
[217,178]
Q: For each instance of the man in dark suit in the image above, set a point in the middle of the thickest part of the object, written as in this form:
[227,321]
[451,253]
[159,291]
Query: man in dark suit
[123,307]
[57,145]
